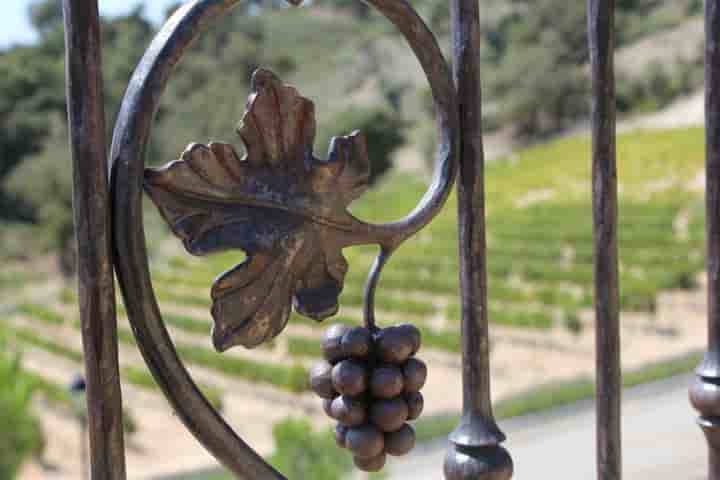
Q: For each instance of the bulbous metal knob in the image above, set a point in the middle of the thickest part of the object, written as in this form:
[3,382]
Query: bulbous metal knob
[483,463]
[705,397]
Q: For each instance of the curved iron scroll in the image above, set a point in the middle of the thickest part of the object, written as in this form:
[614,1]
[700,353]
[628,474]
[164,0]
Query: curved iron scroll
[130,139]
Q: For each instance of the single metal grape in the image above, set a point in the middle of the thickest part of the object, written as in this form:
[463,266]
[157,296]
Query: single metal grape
[416,404]
[393,346]
[348,411]
[321,380]
[389,415]
[365,441]
[350,377]
[401,442]
[413,333]
[327,404]
[415,372]
[356,343]
[387,382]
[341,432]
[332,343]
[374,464]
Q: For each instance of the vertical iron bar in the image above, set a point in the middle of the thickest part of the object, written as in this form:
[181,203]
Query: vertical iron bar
[705,393]
[92,229]
[475,452]
[601,31]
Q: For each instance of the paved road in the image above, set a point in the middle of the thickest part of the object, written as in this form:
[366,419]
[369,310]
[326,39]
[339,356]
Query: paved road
[661,441]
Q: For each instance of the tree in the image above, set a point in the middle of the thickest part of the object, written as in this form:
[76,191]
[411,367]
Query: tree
[383,130]
[46,15]
[35,164]
[31,86]
[44,182]
[539,80]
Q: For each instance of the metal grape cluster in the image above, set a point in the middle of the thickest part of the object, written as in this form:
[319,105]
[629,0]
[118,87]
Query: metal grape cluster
[370,383]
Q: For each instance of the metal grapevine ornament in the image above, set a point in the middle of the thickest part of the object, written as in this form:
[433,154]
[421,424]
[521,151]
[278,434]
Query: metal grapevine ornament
[370,383]
[284,207]
[279,203]
[287,210]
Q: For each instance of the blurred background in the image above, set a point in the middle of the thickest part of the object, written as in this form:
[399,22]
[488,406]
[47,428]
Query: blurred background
[361,75]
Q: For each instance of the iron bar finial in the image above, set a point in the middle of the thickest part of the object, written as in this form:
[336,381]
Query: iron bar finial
[475,452]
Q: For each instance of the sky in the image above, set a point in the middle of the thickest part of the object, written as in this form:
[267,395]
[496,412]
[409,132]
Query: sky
[15,27]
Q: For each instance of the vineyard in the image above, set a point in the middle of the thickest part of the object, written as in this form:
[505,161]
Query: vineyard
[540,276]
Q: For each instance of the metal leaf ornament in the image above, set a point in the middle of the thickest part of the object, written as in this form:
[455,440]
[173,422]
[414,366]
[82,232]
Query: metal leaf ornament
[280,204]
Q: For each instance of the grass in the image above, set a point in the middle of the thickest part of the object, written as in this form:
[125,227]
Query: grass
[28,337]
[559,394]
[303,347]
[41,313]
[56,395]
[293,378]
[138,377]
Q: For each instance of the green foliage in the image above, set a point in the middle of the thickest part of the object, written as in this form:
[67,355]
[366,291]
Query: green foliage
[301,452]
[40,312]
[33,134]
[293,378]
[21,434]
[538,59]
[32,112]
[695,7]
[535,57]
[358,10]
[46,16]
[27,336]
[140,377]
[383,130]
[573,323]
[659,85]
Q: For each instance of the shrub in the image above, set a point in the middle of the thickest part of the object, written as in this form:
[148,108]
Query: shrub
[383,130]
[301,452]
[572,322]
[43,181]
[20,435]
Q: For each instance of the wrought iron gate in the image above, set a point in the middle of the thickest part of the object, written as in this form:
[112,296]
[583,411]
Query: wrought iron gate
[110,235]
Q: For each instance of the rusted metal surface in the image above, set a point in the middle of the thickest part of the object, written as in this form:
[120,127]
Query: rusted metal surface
[214,201]
[92,228]
[475,452]
[601,17]
[287,209]
[705,392]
